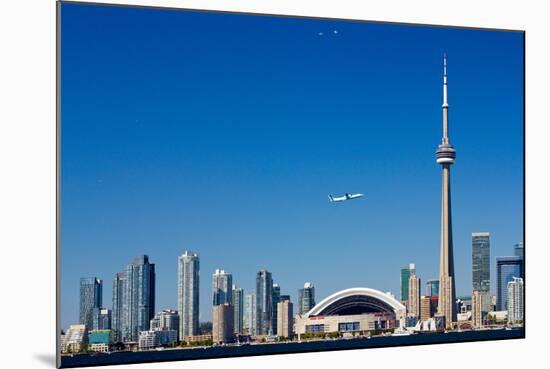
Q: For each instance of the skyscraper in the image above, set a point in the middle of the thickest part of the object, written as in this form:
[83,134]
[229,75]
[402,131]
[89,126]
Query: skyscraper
[432,288]
[118,304]
[507,268]
[275,298]
[477,308]
[102,319]
[221,287]
[306,298]
[406,272]
[188,294]
[284,318]
[481,280]
[238,307]
[91,297]
[264,302]
[518,249]
[414,296]
[445,156]
[515,300]
[222,323]
[139,297]
[250,313]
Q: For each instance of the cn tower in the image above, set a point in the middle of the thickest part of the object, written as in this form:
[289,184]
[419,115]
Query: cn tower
[445,156]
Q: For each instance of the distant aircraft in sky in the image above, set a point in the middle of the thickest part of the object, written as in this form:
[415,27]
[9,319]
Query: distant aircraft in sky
[348,196]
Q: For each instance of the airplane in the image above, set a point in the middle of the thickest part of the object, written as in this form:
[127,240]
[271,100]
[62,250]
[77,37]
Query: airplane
[348,196]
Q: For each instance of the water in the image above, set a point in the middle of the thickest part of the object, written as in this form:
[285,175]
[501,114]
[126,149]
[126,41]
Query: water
[286,348]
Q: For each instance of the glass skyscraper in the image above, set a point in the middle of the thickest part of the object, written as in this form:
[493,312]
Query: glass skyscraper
[432,287]
[188,294]
[91,291]
[264,302]
[306,298]
[406,273]
[275,298]
[507,268]
[238,304]
[481,261]
[118,303]
[138,306]
[221,288]
[250,313]
[102,319]
[518,249]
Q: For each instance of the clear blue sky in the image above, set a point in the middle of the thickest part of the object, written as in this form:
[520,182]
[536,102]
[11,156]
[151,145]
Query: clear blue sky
[224,134]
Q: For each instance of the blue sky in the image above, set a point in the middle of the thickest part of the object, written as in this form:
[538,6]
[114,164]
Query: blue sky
[224,134]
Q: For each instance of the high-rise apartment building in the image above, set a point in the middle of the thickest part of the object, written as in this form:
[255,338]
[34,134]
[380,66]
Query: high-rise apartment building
[264,302]
[285,318]
[306,298]
[238,307]
[91,297]
[221,287]
[188,294]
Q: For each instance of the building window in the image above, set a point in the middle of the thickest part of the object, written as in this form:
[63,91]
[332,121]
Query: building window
[348,327]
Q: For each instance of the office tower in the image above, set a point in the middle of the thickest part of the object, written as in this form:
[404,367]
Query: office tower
[481,262]
[222,323]
[275,298]
[284,318]
[238,307]
[507,268]
[188,294]
[518,249]
[306,298]
[264,295]
[406,273]
[166,319]
[414,296]
[139,298]
[221,287]
[91,291]
[102,319]
[425,308]
[118,303]
[477,308]
[515,300]
[445,156]
[432,287]
[284,298]
[250,313]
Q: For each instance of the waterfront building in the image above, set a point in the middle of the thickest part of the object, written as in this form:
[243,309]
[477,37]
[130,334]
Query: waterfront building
[275,298]
[166,319]
[155,338]
[102,319]
[188,294]
[406,273]
[285,320]
[222,323]
[118,304]
[507,268]
[264,305]
[353,310]
[139,297]
[481,257]
[432,287]
[75,339]
[238,307]
[515,301]
[221,288]
[100,340]
[250,313]
[91,293]
[306,298]
[413,302]
[445,156]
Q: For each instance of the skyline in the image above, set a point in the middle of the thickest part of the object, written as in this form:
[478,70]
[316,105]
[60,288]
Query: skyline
[284,206]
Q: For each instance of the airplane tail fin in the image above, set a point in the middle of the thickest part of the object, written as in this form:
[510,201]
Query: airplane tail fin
[330,198]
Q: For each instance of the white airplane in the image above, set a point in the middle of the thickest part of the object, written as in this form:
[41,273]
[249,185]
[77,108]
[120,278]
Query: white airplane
[348,196]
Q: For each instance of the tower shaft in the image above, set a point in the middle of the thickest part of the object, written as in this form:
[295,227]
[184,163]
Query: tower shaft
[445,156]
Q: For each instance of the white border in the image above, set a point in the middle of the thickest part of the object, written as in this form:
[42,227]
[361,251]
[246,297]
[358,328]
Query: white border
[27,185]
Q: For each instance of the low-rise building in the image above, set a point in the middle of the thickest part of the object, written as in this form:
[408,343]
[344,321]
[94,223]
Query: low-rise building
[75,339]
[100,340]
[156,338]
